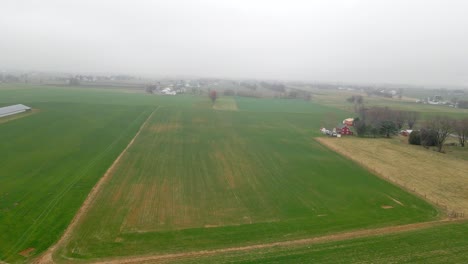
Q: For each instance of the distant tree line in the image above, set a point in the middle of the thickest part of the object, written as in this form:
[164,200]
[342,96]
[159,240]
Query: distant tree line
[436,131]
[462,104]
[276,87]
[382,121]
[385,122]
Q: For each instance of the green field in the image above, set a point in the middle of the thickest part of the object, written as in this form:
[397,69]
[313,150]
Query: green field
[197,178]
[51,159]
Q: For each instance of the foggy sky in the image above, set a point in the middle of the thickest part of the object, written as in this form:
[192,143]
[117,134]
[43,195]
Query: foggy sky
[392,41]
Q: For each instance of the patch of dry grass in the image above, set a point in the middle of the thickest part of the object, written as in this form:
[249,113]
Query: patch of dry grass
[226,103]
[440,178]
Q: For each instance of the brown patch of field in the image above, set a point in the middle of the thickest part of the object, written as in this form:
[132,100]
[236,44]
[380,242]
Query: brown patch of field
[226,104]
[386,207]
[173,197]
[27,252]
[440,178]
[165,127]
[198,120]
[227,168]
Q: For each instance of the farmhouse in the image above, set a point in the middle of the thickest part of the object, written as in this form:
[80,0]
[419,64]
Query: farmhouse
[348,121]
[406,132]
[13,109]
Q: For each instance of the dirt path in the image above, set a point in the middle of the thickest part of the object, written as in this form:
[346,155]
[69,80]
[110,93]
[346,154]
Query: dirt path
[47,257]
[306,241]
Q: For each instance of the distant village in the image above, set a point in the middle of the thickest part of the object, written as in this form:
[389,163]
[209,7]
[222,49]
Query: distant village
[451,97]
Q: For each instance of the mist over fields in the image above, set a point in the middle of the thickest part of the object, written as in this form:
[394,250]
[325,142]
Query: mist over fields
[414,42]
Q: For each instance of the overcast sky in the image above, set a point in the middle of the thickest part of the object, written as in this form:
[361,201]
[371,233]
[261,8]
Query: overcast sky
[392,41]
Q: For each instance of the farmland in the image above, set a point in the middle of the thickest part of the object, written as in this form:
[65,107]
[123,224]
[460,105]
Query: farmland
[440,178]
[445,243]
[54,157]
[197,177]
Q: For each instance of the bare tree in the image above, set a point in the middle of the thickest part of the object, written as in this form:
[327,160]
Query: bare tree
[377,121]
[411,118]
[357,100]
[461,128]
[441,127]
[399,118]
[213,96]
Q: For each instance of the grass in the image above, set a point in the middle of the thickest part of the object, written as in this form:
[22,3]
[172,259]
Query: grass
[196,179]
[441,244]
[54,157]
[441,178]
[17,116]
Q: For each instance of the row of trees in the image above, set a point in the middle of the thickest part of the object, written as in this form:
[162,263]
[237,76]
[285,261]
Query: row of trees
[438,129]
[383,121]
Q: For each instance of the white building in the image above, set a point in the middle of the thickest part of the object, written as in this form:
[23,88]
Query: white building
[13,109]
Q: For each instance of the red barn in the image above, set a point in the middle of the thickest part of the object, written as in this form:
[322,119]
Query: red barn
[345,131]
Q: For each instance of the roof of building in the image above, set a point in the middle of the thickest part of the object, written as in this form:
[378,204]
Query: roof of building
[13,108]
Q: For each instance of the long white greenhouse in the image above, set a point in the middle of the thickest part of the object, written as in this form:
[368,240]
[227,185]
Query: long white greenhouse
[13,109]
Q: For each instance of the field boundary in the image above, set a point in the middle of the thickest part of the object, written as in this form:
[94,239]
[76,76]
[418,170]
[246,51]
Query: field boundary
[47,256]
[362,233]
[7,119]
[411,184]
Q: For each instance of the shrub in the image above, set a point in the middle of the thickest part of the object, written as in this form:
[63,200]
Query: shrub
[415,138]
[428,137]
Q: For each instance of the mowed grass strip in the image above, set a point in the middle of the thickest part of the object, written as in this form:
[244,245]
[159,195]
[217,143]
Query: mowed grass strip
[200,179]
[440,244]
[439,177]
[50,162]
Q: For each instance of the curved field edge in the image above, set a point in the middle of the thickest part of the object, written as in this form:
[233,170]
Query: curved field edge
[335,198]
[71,146]
[444,242]
[439,178]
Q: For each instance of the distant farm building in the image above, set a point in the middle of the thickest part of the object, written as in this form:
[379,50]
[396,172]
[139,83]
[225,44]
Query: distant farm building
[344,130]
[13,109]
[168,91]
[348,121]
[406,132]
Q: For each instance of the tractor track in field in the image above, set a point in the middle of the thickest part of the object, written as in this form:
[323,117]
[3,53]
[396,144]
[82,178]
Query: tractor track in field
[306,241]
[47,257]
